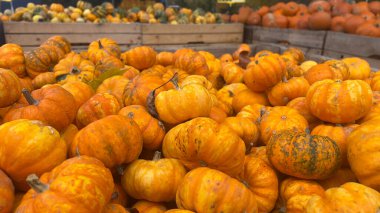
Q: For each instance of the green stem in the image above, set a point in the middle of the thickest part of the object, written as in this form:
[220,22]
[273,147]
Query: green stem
[29,98]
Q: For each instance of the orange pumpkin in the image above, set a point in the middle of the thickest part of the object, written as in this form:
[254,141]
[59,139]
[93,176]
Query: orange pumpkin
[247,97]
[290,9]
[287,90]
[130,72]
[232,73]
[109,62]
[217,114]
[260,152]
[102,48]
[340,177]
[114,208]
[109,139]
[242,48]
[352,23]
[300,105]
[193,63]
[253,112]
[337,23]
[319,5]
[369,29]
[69,133]
[339,66]
[119,196]
[182,142]
[141,57]
[320,20]
[153,130]
[245,128]
[10,87]
[80,91]
[143,206]
[115,86]
[226,95]
[275,20]
[165,58]
[7,193]
[43,79]
[359,68]
[321,72]
[12,57]
[342,102]
[26,83]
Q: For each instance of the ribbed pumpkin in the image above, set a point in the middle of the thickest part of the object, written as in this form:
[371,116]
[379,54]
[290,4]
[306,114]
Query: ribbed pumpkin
[303,155]
[130,72]
[141,57]
[359,68]
[165,58]
[225,194]
[264,72]
[12,57]
[83,179]
[339,65]
[139,178]
[43,79]
[260,152]
[363,148]
[339,101]
[280,118]
[337,133]
[340,177]
[247,97]
[349,197]
[143,206]
[300,105]
[115,86]
[245,128]
[39,150]
[26,83]
[81,91]
[171,71]
[156,70]
[253,112]
[241,48]
[69,133]
[226,96]
[262,180]
[74,68]
[108,63]
[7,193]
[51,104]
[153,130]
[287,90]
[119,196]
[114,208]
[373,114]
[321,72]
[203,142]
[98,106]
[193,63]
[114,140]
[10,87]
[297,54]
[232,73]
[102,48]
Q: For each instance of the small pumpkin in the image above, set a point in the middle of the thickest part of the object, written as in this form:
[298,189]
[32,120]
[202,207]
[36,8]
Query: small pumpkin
[340,177]
[232,73]
[247,97]
[297,54]
[69,133]
[114,208]
[115,86]
[130,72]
[342,102]
[301,106]
[141,57]
[359,68]
[43,79]
[226,95]
[337,23]
[261,153]
[7,193]
[108,63]
[291,8]
[192,62]
[338,65]
[143,206]
[165,58]
[321,72]
[109,139]
[10,87]
[80,91]
[254,112]
[119,196]
[26,83]
[274,20]
[352,23]
[319,5]
[287,90]
[320,20]
[12,57]
[101,48]
[245,128]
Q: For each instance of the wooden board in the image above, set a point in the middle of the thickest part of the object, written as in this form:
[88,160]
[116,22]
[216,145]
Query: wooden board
[302,38]
[259,45]
[163,34]
[353,44]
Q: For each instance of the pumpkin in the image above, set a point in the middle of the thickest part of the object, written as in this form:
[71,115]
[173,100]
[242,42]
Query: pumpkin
[56,7]
[305,66]
[369,29]
[57,47]
[337,23]
[156,70]
[69,133]
[363,147]
[341,199]
[12,57]
[339,101]
[226,94]
[137,90]
[116,135]
[359,68]
[295,194]
[242,48]
[153,130]
[301,106]
[290,9]
[119,196]
[98,106]
[51,104]
[193,143]
[215,76]
[247,97]
[352,23]
[264,72]
[10,87]
[143,206]
[287,90]
[207,55]
[227,194]
[261,153]
[359,8]
[74,68]
[374,7]
[232,73]
[337,133]
[263,10]
[102,48]
[165,58]
[297,54]
[43,79]
[170,72]
[180,52]
[262,181]
[303,155]
[108,63]
[40,146]
[193,63]
[130,72]
[321,72]
[81,92]
[114,208]
[139,178]
[226,58]
[115,86]
[254,112]
[7,193]
[173,106]
[277,6]
[320,20]
[141,57]
[375,82]
[254,19]
[274,21]
[83,179]
[217,114]
[280,118]
[341,9]
[373,114]
[318,5]
[245,128]
[340,177]
[339,66]
[26,83]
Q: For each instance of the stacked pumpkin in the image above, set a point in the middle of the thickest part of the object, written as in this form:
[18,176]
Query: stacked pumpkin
[361,18]
[111,131]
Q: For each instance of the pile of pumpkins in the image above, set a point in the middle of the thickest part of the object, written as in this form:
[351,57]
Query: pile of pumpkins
[140,131]
[106,13]
[362,18]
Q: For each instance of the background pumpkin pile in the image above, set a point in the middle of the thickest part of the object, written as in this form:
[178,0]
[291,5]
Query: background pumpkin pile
[85,12]
[360,18]
[110,131]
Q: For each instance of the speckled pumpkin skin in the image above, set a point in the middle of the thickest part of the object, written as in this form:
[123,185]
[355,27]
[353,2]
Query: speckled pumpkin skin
[304,156]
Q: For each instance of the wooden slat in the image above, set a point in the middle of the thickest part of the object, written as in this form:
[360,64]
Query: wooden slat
[375,63]
[37,39]
[191,28]
[353,44]
[191,38]
[303,38]
[74,28]
[260,45]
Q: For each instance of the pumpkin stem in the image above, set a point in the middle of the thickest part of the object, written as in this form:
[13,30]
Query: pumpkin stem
[244,59]
[284,79]
[262,112]
[157,156]
[246,184]
[29,98]
[100,44]
[35,183]
[202,163]
[307,130]
[77,152]
[75,70]
[114,195]
[120,170]
[338,125]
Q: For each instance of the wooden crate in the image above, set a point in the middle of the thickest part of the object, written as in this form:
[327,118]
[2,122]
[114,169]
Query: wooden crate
[167,34]
[31,35]
[216,49]
[300,38]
